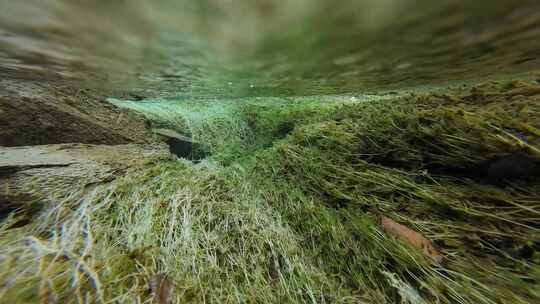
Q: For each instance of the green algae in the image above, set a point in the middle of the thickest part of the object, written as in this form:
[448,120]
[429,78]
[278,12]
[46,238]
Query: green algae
[285,208]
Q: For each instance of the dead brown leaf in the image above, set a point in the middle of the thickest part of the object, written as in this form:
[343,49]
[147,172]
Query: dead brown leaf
[410,236]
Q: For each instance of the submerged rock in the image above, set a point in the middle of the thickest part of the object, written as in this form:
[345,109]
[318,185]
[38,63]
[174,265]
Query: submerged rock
[49,172]
[39,113]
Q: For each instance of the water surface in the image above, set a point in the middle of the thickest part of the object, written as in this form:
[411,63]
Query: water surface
[267,48]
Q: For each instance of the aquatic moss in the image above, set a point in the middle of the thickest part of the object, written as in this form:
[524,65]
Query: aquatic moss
[295,219]
[232,130]
[423,162]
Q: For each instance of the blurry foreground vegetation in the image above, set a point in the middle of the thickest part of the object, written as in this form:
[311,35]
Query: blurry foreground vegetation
[286,209]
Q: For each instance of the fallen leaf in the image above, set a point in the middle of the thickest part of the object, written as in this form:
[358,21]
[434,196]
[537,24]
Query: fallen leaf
[410,236]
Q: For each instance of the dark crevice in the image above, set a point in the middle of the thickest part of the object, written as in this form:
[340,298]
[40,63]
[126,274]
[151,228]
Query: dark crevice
[515,167]
[24,209]
[6,208]
[12,169]
[7,171]
[185,149]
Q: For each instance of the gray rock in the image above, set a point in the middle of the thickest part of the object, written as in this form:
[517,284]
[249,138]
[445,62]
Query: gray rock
[49,172]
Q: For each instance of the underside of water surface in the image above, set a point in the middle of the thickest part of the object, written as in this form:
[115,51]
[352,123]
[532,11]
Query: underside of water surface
[292,151]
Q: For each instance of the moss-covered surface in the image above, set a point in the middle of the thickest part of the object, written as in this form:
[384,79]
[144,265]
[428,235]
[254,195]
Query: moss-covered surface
[285,210]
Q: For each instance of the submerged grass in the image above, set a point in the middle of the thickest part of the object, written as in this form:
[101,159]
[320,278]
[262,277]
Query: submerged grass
[290,214]
[232,130]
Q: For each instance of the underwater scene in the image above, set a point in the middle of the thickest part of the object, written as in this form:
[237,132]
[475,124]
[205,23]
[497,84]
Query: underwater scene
[270,151]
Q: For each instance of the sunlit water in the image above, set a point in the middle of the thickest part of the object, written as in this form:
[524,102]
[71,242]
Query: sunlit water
[267,48]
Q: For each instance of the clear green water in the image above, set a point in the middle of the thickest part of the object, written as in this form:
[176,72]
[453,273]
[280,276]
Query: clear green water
[268,48]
